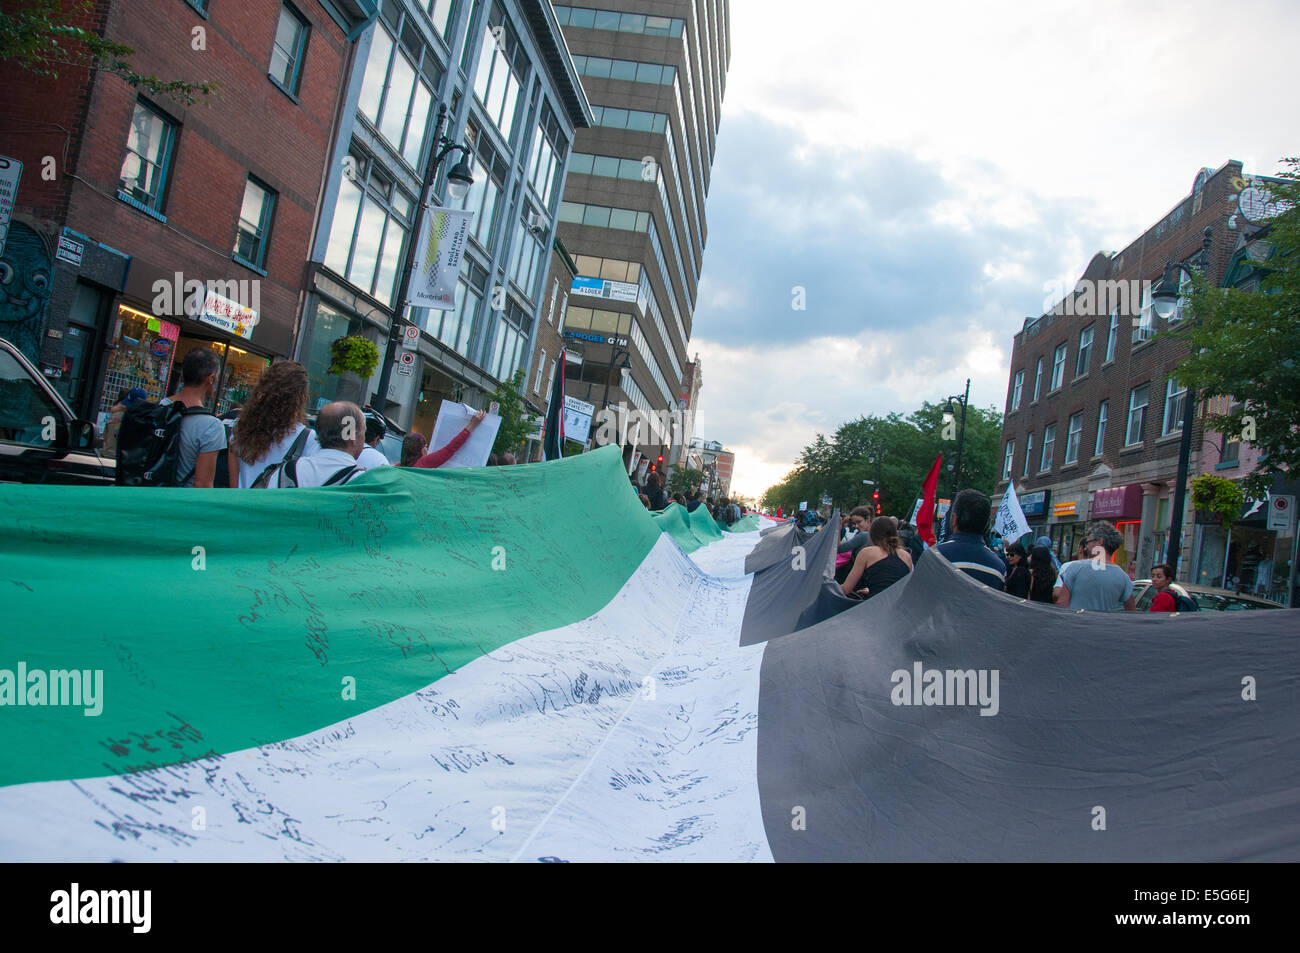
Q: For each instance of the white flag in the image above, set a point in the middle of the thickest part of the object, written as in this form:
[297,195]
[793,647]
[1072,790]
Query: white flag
[1010,522]
[438,258]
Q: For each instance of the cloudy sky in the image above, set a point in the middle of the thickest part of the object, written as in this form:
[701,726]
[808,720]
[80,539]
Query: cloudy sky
[923,173]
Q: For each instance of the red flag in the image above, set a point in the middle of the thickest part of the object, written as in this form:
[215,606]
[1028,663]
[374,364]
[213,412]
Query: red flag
[925,518]
[780,511]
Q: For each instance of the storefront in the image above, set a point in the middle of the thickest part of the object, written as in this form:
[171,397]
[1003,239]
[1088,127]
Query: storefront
[1035,508]
[145,352]
[1122,505]
[1066,528]
[1256,554]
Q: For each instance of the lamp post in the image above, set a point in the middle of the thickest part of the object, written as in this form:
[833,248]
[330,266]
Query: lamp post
[625,364]
[459,179]
[961,436]
[1164,300]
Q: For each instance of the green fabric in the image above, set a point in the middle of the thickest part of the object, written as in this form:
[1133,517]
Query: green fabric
[675,521]
[746,524]
[389,580]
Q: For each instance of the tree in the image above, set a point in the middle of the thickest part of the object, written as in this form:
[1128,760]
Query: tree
[685,480]
[40,38]
[515,423]
[1245,345]
[894,452]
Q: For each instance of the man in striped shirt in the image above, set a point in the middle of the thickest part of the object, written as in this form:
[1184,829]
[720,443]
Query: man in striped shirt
[965,549]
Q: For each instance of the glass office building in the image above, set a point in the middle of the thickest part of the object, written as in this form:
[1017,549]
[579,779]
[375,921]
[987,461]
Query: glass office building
[515,98]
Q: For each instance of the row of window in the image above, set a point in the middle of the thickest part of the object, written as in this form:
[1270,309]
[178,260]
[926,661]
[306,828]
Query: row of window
[593,19]
[1135,427]
[631,71]
[502,65]
[612,269]
[1144,329]
[150,151]
[397,93]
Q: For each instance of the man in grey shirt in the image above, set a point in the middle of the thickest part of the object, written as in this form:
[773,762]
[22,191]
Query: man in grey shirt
[203,435]
[1096,584]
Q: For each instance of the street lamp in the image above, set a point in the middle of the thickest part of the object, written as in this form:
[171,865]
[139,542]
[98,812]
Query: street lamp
[459,179]
[1164,300]
[949,414]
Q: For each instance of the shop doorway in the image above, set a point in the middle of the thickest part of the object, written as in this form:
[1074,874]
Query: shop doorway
[239,371]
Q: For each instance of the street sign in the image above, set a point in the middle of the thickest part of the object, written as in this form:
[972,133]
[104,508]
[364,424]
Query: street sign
[69,250]
[410,338]
[11,170]
[1281,514]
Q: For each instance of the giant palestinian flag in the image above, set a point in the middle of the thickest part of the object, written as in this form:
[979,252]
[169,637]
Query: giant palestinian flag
[521,663]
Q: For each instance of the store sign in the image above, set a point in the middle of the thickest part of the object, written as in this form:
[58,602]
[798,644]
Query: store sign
[1035,504]
[596,338]
[604,288]
[1118,502]
[1281,514]
[221,312]
[1065,508]
[11,170]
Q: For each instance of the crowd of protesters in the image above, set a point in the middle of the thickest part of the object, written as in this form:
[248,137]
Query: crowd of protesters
[654,496]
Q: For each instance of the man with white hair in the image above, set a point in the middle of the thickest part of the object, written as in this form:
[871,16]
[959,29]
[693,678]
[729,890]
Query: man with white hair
[341,430]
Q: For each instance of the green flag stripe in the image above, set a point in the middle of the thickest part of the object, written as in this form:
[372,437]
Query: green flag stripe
[222,620]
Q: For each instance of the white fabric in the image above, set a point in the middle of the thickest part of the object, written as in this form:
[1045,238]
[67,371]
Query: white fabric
[249,472]
[371,458]
[316,469]
[631,735]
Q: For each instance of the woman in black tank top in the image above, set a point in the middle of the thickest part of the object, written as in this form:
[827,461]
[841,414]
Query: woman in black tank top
[880,565]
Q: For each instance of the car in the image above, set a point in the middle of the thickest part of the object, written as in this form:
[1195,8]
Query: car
[1205,597]
[41,439]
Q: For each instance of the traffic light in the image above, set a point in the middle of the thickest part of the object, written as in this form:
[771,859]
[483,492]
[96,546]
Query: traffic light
[654,467]
[661,458]
[875,498]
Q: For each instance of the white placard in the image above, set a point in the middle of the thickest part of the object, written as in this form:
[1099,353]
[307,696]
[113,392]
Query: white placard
[577,419]
[452,419]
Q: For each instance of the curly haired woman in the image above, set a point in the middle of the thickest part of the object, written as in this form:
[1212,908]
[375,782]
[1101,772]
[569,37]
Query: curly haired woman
[271,423]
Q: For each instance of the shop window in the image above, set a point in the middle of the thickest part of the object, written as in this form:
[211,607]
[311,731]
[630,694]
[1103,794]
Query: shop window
[329,326]
[289,49]
[150,144]
[143,347]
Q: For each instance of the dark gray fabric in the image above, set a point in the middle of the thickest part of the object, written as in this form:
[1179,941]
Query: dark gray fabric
[771,548]
[1141,714]
[783,599]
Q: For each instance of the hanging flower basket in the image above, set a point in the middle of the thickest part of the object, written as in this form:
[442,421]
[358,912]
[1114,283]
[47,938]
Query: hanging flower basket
[354,354]
[1221,498]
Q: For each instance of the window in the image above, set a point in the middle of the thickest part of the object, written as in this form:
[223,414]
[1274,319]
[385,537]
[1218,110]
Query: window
[620,22]
[1058,368]
[1072,438]
[541,367]
[513,326]
[371,220]
[1007,457]
[546,159]
[1184,285]
[1103,410]
[631,71]
[1175,398]
[485,194]
[254,223]
[440,13]
[1038,378]
[1029,452]
[1111,335]
[149,147]
[1085,352]
[1145,327]
[1229,449]
[502,62]
[1137,414]
[1049,446]
[454,328]
[289,48]
[1016,389]
[397,97]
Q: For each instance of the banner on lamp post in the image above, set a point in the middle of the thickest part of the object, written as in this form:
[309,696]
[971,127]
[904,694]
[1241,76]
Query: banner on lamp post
[438,258]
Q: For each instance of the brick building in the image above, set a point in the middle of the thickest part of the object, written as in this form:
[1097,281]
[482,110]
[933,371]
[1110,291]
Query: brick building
[1094,408]
[146,227]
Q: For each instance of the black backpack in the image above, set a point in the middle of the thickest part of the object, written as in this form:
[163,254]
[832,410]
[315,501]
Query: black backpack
[1185,604]
[149,444]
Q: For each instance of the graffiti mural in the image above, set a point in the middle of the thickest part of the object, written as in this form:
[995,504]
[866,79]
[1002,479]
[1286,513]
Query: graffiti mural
[24,289]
